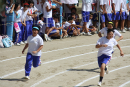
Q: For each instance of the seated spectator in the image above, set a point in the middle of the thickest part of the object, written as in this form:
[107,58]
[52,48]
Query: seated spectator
[90,26]
[73,11]
[72,28]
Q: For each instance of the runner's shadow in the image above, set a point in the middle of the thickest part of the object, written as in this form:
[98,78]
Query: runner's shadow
[14,79]
[89,70]
[87,86]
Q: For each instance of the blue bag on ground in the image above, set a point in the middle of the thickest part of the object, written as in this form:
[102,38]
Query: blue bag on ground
[6,42]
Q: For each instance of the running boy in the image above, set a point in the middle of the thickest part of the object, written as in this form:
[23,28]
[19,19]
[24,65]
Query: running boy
[34,45]
[105,45]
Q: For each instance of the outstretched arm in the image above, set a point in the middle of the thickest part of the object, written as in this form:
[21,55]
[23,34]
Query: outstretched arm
[121,52]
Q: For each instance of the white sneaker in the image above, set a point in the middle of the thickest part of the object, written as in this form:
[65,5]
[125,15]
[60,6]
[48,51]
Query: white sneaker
[25,42]
[49,39]
[99,84]
[82,33]
[22,43]
[128,29]
[125,28]
[45,37]
[89,34]
[107,71]
[26,77]
[123,31]
[17,44]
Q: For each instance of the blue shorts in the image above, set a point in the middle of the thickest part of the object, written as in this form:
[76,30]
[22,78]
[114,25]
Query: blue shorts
[123,16]
[85,16]
[49,22]
[102,18]
[117,16]
[103,59]
[53,32]
[29,60]
[108,16]
[95,17]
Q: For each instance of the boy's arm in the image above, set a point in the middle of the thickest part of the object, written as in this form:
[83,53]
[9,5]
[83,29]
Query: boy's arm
[26,46]
[59,28]
[121,52]
[12,9]
[113,6]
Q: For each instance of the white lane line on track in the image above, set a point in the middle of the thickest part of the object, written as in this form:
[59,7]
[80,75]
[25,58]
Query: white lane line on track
[56,50]
[67,71]
[49,51]
[124,84]
[98,75]
[56,61]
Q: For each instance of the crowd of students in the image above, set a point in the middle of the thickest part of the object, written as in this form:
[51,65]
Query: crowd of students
[45,13]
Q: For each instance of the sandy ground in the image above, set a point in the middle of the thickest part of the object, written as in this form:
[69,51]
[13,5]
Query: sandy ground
[65,63]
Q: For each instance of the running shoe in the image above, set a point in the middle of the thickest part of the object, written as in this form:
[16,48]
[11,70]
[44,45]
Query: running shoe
[99,84]
[26,77]
[107,71]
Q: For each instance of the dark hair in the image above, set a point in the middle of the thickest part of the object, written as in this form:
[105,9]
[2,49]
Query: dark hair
[31,1]
[70,18]
[73,8]
[16,5]
[72,14]
[36,26]
[110,30]
[56,16]
[63,19]
[40,16]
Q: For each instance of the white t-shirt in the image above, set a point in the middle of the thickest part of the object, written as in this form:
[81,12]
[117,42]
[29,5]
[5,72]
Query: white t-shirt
[67,24]
[34,44]
[57,25]
[38,5]
[106,50]
[104,31]
[47,14]
[86,5]
[89,24]
[108,6]
[124,5]
[30,10]
[117,4]
[15,17]
[24,14]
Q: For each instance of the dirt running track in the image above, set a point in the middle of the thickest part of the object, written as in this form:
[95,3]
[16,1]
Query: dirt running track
[66,63]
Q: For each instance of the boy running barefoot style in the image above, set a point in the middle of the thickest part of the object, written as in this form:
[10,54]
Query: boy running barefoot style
[105,45]
[34,45]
